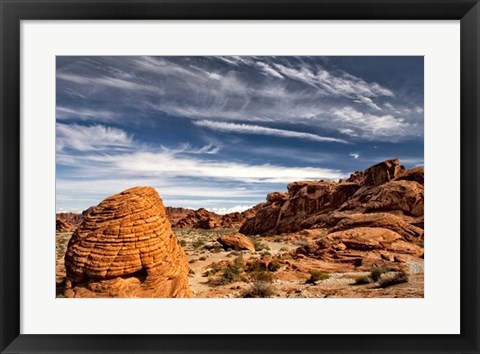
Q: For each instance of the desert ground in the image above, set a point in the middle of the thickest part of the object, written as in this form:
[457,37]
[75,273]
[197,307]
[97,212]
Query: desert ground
[208,263]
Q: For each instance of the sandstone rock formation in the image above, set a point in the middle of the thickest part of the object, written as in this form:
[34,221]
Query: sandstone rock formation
[63,226]
[68,222]
[384,187]
[236,241]
[404,197]
[204,219]
[125,248]
[398,224]
[361,248]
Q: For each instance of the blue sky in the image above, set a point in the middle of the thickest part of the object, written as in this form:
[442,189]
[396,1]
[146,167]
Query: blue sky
[222,132]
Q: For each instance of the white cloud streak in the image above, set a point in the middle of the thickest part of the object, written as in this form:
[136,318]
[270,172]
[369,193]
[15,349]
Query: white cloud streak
[234,209]
[260,130]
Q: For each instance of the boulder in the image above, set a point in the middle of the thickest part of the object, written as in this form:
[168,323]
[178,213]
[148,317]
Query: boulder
[125,248]
[276,197]
[236,241]
[382,172]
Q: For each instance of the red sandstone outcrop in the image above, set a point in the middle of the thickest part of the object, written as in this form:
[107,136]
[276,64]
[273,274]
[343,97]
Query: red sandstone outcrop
[393,222]
[236,241]
[125,248]
[384,187]
[382,172]
[403,197]
[63,225]
[361,248]
[415,174]
[204,219]
[68,222]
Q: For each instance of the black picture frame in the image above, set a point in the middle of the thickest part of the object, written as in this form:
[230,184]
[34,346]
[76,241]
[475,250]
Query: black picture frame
[13,11]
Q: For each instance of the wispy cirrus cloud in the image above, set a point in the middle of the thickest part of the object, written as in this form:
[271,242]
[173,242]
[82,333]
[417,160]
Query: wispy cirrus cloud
[284,89]
[260,130]
[91,138]
[370,126]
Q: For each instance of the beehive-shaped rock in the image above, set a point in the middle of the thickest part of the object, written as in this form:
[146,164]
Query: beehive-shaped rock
[127,236]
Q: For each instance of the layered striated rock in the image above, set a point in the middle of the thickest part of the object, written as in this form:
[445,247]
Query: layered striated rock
[361,248]
[236,241]
[125,248]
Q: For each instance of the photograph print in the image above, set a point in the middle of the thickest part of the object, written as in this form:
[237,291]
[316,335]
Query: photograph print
[239,177]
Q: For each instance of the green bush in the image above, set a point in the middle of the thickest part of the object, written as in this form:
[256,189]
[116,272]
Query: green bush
[198,243]
[377,272]
[259,290]
[363,280]
[260,246]
[274,265]
[262,276]
[396,278]
[231,273]
[316,275]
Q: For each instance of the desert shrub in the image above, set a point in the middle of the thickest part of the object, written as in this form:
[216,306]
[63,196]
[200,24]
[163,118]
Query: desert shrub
[262,276]
[363,280]
[202,258]
[191,271]
[192,261]
[377,272]
[274,265]
[255,266]
[198,243]
[316,275]
[231,273]
[183,243]
[284,249]
[259,290]
[395,278]
[260,246]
